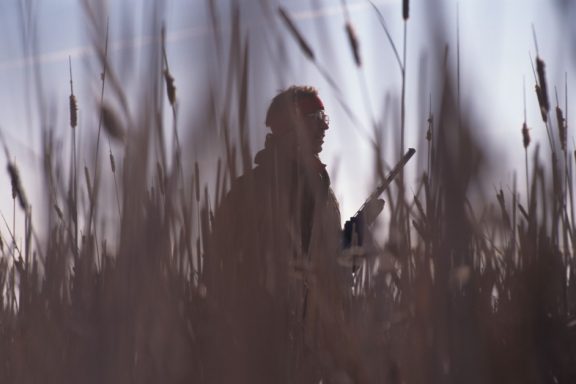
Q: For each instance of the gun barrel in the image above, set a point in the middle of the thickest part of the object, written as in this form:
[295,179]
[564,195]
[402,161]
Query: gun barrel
[378,191]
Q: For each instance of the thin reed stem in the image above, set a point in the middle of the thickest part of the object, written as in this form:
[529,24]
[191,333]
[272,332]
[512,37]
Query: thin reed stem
[430,135]
[100,120]
[14,220]
[525,142]
[527,177]
[388,36]
[354,45]
[171,93]
[113,166]
[103,80]
[73,124]
[403,102]
[458,63]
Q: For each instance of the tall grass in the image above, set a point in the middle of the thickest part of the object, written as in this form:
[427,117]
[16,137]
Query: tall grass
[462,291]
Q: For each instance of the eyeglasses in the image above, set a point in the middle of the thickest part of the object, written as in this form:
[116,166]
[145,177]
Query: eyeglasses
[319,115]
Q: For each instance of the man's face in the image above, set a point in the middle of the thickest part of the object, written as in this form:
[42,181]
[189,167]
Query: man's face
[314,127]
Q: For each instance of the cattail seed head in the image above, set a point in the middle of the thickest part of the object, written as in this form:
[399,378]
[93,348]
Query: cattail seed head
[525,136]
[170,87]
[405,9]
[354,44]
[297,35]
[540,97]
[73,112]
[561,127]
[542,82]
[429,131]
[17,190]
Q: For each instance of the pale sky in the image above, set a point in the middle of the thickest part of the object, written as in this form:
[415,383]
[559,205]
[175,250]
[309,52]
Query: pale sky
[495,41]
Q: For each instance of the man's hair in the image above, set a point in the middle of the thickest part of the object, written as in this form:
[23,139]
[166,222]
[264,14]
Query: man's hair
[283,106]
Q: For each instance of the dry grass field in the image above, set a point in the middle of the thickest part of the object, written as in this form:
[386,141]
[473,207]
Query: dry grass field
[462,291]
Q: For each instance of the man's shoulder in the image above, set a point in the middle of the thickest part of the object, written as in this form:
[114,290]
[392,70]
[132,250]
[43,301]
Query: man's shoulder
[247,179]
[246,184]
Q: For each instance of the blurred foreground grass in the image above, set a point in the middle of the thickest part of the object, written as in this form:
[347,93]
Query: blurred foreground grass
[475,292]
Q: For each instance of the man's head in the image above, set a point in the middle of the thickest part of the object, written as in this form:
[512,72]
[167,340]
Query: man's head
[298,115]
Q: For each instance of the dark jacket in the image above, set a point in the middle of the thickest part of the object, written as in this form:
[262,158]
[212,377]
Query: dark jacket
[279,216]
[271,263]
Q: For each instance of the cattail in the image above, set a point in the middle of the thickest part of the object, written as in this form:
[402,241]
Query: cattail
[561,127]
[354,44]
[297,35]
[17,190]
[405,9]
[112,163]
[111,123]
[73,111]
[542,82]
[525,136]
[540,97]
[73,105]
[170,87]
[429,131]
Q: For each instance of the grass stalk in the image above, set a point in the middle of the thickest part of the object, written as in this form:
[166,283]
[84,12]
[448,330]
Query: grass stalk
[525,144]
[73,125]
[100,121]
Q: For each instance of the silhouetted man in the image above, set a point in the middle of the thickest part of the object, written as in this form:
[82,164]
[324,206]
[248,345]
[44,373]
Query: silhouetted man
[271,268]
